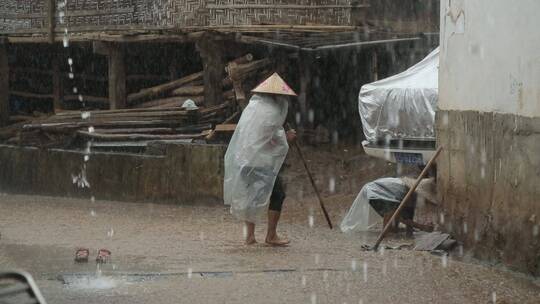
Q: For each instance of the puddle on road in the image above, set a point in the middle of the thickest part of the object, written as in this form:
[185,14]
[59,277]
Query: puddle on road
[110,280]
[93,281]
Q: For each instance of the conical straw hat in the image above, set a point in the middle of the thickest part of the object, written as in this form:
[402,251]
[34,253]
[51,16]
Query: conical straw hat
[274,85]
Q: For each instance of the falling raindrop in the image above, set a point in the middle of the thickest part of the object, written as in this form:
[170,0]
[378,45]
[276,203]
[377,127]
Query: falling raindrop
[313,298]
[395,263]
[70,61]
[353,265]
[535,230]
[483,156]
[494,297]
[91,129]
[325,276]
[110,233]
[365,271]
[65,41]
[381,250]
[483,172]
[71,75]
[86,158]
[465,228]
[335,137]
[75,90]
[245,231]
[460,250]
[311,115]
[384,268]
[92,199]
[360,301]
[304,281]
[85,115]
[445,119]
[311,221]
[92,213]
[81,99]
[189,273]
[317,259]
[332,185]
[444,260]
[298,118]
[441,218]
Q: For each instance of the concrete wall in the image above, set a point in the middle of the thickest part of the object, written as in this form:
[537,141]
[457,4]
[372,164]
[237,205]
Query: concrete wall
[489,124]
[184,174]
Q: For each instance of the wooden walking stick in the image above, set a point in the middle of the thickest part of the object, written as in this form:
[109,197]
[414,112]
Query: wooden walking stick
[406,198]
[321,202]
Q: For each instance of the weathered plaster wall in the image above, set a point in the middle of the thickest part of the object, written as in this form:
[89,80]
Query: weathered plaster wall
[489,125]
[185,174]
[489,56]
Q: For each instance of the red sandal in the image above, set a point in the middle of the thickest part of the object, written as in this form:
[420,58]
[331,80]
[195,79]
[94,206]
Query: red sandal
[81,255]
[103,256]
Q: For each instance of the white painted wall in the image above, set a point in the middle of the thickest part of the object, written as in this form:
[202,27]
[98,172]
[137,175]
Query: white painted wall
[490,56]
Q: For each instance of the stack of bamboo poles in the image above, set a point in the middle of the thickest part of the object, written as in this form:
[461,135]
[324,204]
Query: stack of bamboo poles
[154,113]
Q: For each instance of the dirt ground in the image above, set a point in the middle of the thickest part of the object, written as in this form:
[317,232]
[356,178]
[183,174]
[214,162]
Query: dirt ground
[195,254]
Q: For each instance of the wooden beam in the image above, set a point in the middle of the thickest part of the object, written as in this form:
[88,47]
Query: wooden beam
[4,83]
[280,6]
[57,86]
[211,52]
[164,88]
[117,76]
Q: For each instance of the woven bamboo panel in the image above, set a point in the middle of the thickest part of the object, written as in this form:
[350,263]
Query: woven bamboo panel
[101,14]
[16,14]
[296,12]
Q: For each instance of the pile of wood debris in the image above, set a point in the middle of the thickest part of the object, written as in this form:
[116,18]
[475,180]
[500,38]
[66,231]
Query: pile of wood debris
[154,114]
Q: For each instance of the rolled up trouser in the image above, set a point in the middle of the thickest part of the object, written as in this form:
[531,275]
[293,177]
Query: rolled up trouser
[278,195]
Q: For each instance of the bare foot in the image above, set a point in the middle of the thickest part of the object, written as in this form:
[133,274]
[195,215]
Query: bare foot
[276,241]
[251,241]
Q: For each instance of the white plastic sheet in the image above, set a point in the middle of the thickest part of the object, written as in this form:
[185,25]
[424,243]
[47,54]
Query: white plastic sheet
[404,105]
[255,156]
[361,216]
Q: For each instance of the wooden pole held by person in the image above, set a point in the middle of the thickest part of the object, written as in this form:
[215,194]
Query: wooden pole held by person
[406,198]
[312,180]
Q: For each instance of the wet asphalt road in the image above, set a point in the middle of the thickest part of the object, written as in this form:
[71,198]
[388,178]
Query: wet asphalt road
[188,254]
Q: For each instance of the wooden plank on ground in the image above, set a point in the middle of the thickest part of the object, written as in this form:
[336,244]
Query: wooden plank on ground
[430,241]
[225,128]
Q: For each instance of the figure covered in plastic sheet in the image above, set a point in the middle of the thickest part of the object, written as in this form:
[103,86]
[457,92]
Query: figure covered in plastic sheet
[381,198]
[255,155]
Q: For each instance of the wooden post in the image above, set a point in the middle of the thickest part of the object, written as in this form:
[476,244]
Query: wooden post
[374,66]
[305,67]
[51,19]
[117,76]
[4,83]
[211,54]
[57,87]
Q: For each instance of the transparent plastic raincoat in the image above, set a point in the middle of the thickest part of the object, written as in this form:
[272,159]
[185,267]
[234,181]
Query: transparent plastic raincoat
[361,216]
[255,155]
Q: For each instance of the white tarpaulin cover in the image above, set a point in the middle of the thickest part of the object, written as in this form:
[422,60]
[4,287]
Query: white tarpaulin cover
[254,157]
[402,106]
[361,216]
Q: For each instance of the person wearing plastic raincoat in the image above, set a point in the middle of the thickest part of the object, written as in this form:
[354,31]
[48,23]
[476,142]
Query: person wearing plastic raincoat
[254,158]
